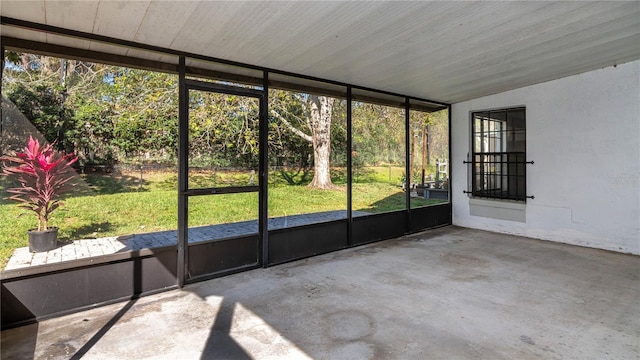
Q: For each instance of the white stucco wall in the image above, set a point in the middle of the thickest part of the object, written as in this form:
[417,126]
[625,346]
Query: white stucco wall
[583,132]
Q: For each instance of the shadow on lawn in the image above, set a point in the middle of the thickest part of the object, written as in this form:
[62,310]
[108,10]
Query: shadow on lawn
[92,184]
[86,231]
[301,176]
[397,201]
[112,183]
[390,203]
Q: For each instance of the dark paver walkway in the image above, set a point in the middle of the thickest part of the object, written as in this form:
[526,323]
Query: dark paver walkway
[80,249]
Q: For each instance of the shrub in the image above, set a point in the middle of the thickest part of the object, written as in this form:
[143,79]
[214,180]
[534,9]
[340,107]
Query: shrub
[43,174]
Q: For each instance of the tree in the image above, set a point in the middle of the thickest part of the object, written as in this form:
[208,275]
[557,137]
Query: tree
[144,111]
[315,113]
[378,134]
[61,98]
[224,129]
[429,140]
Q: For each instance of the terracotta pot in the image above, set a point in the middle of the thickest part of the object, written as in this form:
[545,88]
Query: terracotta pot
[40,241]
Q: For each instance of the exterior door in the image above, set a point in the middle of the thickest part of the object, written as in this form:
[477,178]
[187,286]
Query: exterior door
[222,199]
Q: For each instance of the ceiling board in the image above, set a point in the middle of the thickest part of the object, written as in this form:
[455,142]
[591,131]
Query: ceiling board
[444,51]
[118,19]
[32,11]
[72,15]
[23,34]
[73,42]
[156,28]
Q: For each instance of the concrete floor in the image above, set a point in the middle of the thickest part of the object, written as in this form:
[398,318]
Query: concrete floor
[450,293]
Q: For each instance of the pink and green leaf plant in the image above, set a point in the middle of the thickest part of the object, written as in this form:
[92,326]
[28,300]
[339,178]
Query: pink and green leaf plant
[43,174]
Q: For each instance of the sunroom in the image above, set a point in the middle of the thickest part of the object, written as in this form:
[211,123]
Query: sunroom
[518,118]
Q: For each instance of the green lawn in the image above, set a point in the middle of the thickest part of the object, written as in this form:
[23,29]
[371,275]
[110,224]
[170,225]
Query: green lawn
[109,205]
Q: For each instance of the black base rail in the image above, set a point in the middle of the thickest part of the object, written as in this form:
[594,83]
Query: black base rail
[41,292]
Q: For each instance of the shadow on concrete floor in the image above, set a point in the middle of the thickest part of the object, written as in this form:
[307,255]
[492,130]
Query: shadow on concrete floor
[441,294]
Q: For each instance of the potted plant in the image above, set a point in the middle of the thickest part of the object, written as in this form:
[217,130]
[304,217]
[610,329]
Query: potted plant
[43,174]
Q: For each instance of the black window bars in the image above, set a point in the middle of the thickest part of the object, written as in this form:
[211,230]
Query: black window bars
[498,160]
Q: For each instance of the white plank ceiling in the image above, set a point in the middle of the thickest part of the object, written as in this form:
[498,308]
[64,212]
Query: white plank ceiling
[444,51]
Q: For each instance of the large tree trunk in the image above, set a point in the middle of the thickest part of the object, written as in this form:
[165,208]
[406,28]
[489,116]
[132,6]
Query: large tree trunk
[321,111]
[319,122]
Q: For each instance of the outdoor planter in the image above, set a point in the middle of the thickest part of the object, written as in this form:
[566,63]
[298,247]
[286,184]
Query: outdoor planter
[420,190]
[42,175]
[442,194]
[41,241]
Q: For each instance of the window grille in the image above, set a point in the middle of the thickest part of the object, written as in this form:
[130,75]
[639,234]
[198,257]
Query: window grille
[499,154]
